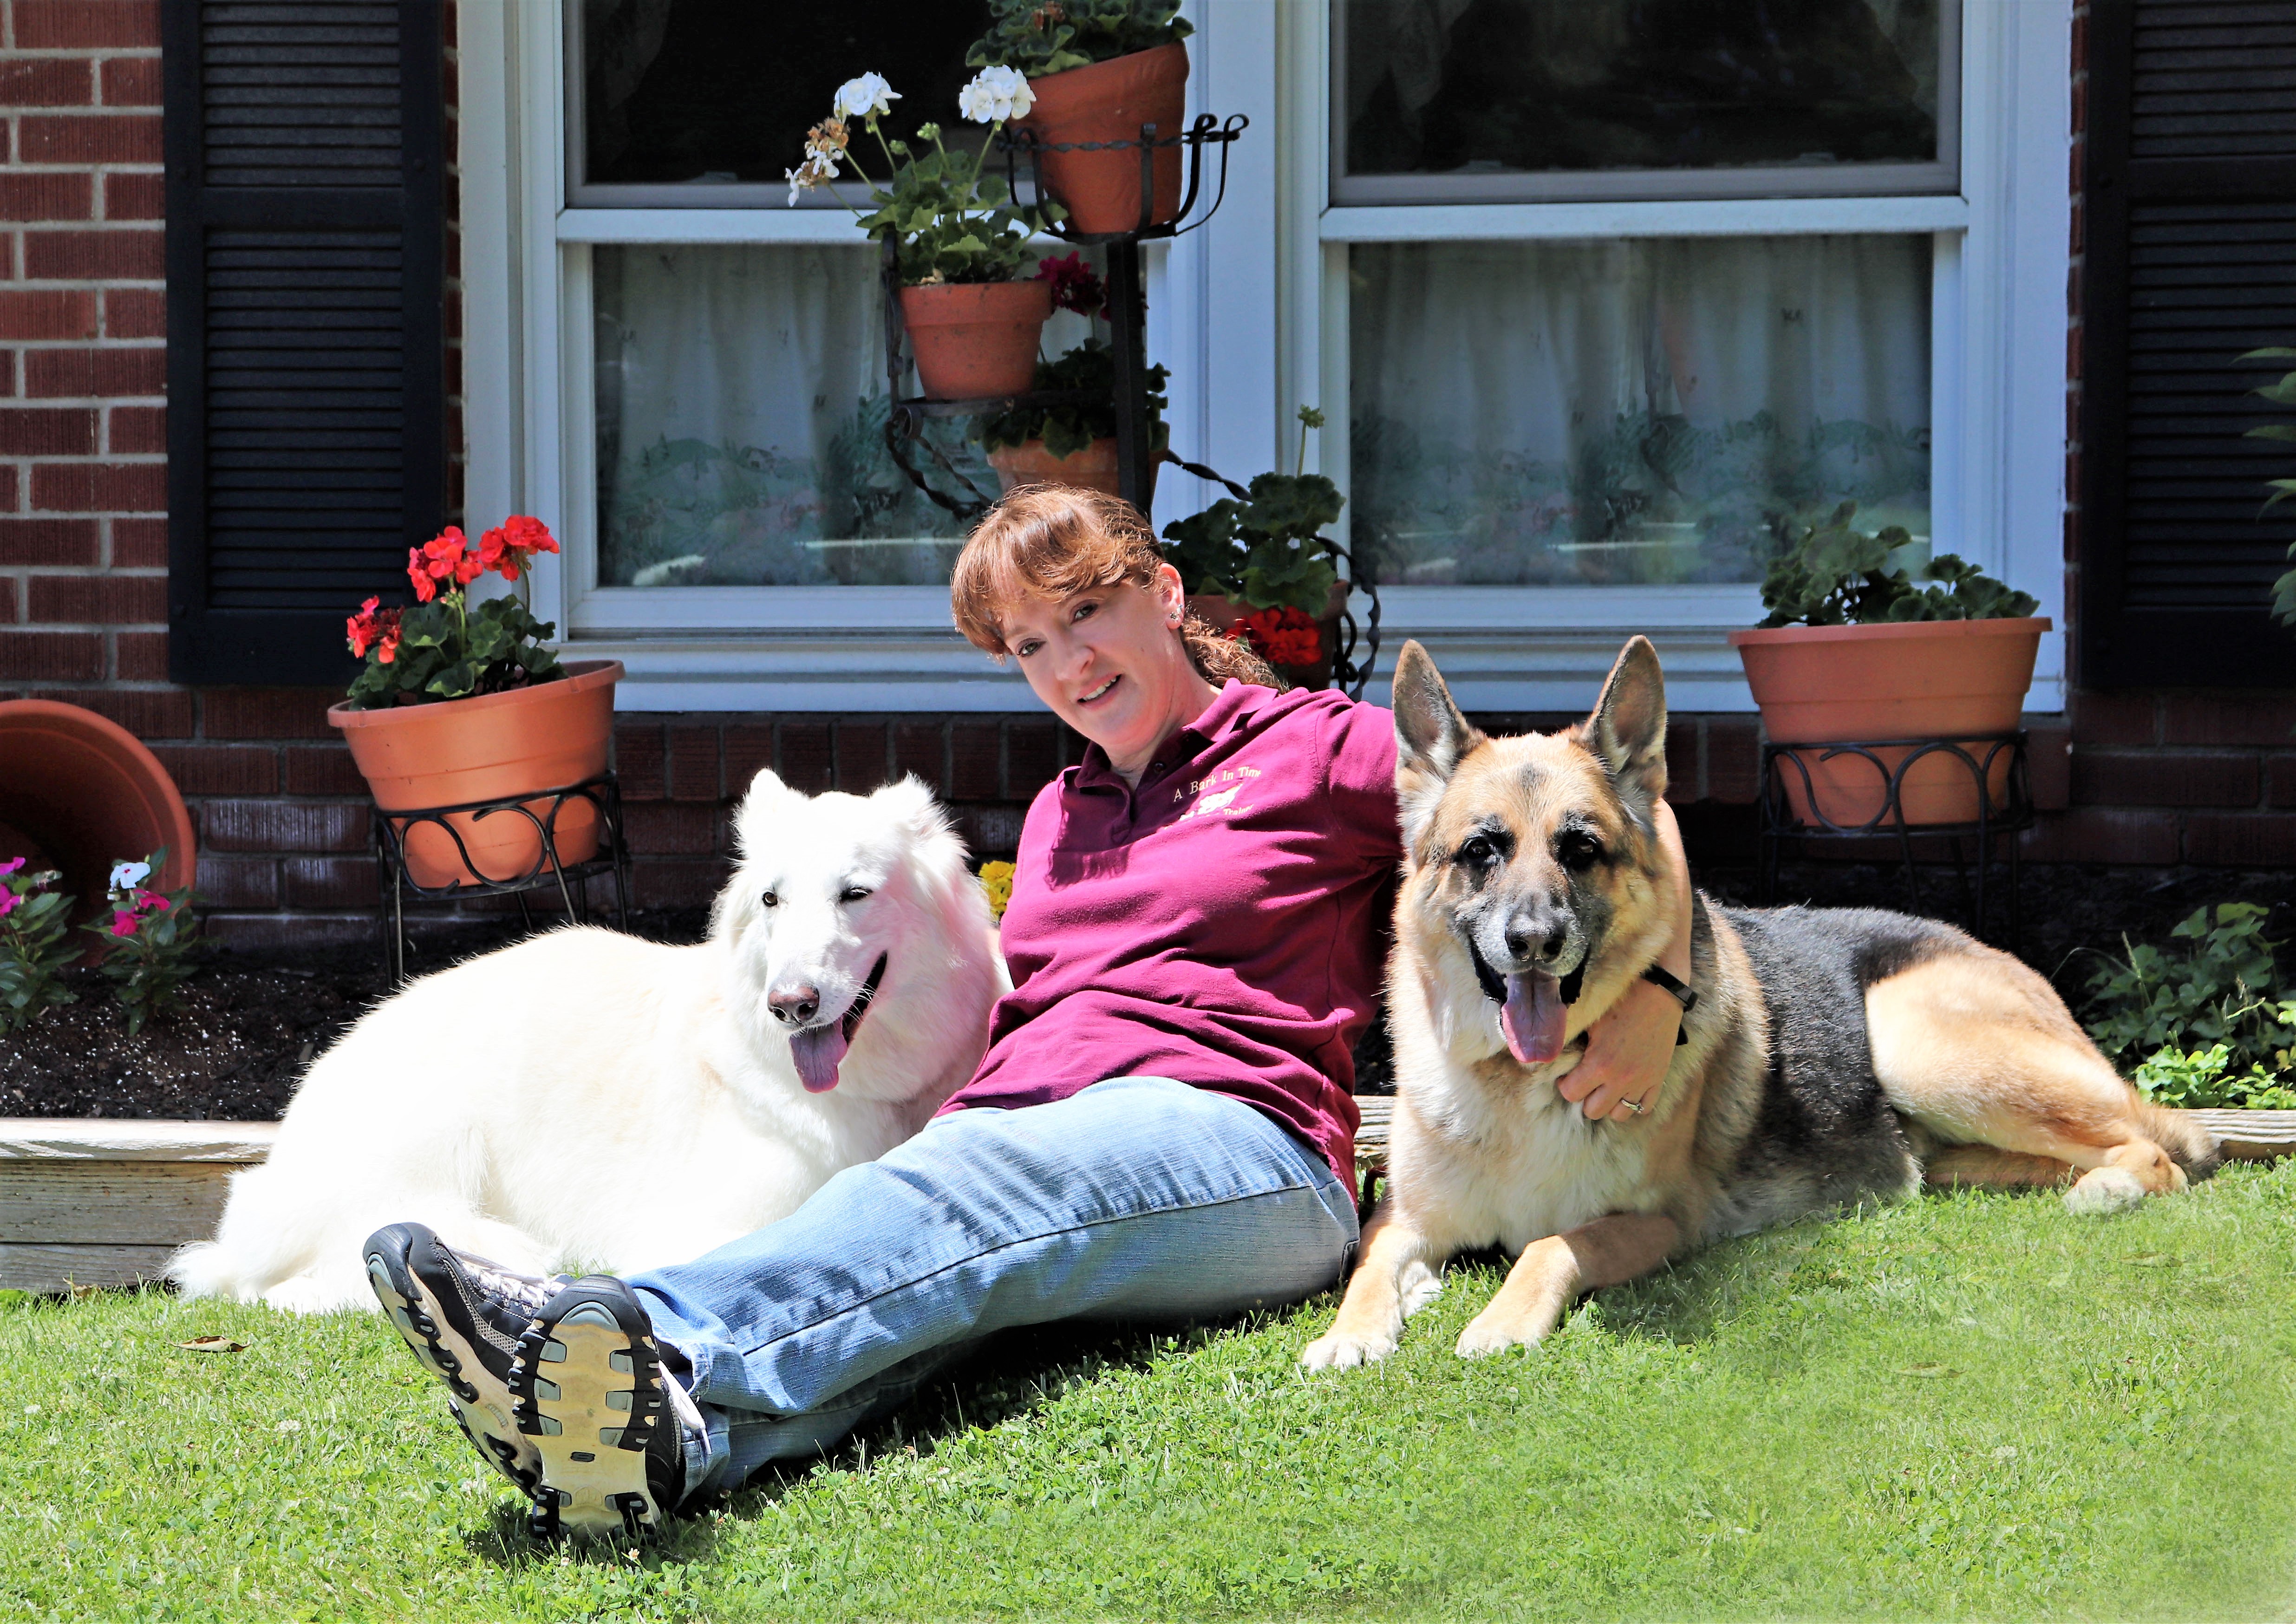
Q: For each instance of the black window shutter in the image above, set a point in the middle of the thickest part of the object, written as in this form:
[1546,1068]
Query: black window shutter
[306,380]
[2191,260]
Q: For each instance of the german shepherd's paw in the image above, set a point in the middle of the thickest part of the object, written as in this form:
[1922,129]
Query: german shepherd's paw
[1340,1350]
[2102,1192]
[1489,1333]
[1417,1286]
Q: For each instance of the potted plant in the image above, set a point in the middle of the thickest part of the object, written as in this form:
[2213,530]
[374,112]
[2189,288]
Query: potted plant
[1854,650]
[1257,569]
[956,238]
[462,703]
[2281,393]
[1074,443]
[1101,68]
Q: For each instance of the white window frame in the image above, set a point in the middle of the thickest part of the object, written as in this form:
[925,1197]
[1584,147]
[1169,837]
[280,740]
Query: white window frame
[1251,315]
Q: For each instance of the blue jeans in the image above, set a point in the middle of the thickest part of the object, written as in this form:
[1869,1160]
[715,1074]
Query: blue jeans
[1139,1198]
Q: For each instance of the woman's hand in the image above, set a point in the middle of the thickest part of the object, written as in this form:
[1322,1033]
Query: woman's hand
[1630,1047]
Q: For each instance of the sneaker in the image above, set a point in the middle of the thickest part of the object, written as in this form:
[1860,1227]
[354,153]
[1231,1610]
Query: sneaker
[464,1317]
[591,1400]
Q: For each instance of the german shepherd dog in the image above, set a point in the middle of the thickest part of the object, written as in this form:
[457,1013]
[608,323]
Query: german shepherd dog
[1832,1056]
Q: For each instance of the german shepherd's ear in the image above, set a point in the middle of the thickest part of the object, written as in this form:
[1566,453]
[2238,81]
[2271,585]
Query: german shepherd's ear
[1431,738]
[1627,731]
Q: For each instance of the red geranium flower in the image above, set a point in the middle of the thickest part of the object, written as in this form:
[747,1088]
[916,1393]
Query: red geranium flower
[375,625]
[437,560]
[1282,636]
[1075,284]
[510,547]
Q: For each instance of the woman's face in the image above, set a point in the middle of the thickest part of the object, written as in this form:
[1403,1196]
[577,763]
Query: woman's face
[1108,662]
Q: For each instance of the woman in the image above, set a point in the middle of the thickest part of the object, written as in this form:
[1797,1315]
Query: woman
[1162,1127]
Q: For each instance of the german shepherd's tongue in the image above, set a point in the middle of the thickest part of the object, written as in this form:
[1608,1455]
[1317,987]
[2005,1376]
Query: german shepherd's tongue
[1532,1017]
[817,1052]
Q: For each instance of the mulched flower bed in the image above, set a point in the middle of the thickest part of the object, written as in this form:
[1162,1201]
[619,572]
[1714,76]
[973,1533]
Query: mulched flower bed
[234,1047]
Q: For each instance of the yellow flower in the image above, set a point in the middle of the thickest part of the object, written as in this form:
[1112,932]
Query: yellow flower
[996,880]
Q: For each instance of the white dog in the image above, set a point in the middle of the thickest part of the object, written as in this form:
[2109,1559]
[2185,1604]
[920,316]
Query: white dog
[586,1099]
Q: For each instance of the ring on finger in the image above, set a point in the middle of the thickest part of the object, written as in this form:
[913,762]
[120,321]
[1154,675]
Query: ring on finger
[1636,1106]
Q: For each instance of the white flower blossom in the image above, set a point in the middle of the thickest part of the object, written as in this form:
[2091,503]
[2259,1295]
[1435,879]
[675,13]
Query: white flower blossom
[866,97]
[994,95]
[817,169]
[126,876]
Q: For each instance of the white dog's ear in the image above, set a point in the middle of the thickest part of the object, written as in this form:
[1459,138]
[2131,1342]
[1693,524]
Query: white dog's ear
[907,800]
[765,794]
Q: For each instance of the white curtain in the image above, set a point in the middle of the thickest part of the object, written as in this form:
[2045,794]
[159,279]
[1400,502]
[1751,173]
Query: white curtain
[1632,412]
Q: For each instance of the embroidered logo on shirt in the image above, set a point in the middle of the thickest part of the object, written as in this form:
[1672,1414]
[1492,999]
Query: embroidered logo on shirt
[1212,797]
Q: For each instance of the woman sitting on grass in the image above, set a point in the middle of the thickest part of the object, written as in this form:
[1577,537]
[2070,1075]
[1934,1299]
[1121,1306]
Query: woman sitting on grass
[1162,1127]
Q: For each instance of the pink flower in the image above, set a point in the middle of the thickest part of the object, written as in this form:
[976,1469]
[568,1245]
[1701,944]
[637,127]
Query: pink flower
[8,901]
[123,923]
[10,866]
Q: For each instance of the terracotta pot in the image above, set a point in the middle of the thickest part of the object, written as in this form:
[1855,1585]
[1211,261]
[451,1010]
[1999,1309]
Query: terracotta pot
[78,791]
[1920,679]
[1109,101]
[1093,468]
[493,747]
[975,340]
[1220,612]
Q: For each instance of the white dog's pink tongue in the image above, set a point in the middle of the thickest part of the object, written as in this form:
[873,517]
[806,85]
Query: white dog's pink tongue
[816,1053]
[1532,1017]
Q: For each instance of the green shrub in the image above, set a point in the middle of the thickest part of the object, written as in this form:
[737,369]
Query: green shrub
[2203,1023]
[150,943]
[35,950]
[1835,574]
[1042,37]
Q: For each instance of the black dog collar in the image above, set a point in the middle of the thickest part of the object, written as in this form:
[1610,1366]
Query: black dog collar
[1683,992]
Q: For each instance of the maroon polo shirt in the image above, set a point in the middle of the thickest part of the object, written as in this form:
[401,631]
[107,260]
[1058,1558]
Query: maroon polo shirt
[1224,923]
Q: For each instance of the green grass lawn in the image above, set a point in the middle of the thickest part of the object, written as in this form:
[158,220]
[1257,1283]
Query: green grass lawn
[1973,1406]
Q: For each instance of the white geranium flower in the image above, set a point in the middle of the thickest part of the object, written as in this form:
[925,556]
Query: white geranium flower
[817,169]
[994,95]
[126,876]
[866,97]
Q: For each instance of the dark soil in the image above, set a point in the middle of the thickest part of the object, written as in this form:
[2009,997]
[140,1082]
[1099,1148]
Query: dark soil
[248,1023]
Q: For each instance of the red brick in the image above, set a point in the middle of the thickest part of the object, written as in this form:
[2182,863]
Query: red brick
[975,767]
[53,313]
[139,544]
[2162,778]
[316,769]
[46,81]
[283,825]
[991,831]
[51,656]
[1032,757]
[2049,764]
[1682,758]
[2103,834]
[47,432]
[86,488]
[131,313]
[131,81]
[661,828]
[276,933]
[860,756]
[140,656]
[81,25]
[130,429]
[2114,718]
[131,196]
[238,882]
[88,138]
[331,882]
[678,882]
[7,470]
[748,751]
[693,764]
[148,713]
[136,255]
[8,615]
[266,713]
[221,769]
[922,749]
[2280,781]
[46,197]
[8,383]
[2241,840]
[48,541]
[1733,759]
[99,600]
[2228,718]
[803,760]
[638,759]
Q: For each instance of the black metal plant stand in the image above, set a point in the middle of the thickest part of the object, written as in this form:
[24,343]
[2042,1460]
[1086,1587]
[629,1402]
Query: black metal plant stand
[1979,756]
[603,792]
[1128,320]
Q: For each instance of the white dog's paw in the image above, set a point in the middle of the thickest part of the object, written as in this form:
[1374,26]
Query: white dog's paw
[1339,1351]
[2102,1192]
[1418,1287]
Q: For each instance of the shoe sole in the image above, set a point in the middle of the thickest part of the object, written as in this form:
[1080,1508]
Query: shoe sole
[483,1406]
[589,1398]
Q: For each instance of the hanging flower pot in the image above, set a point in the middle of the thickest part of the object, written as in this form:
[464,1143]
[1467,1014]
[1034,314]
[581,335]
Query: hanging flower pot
[975,341]
[1301,648]
[1915,679]
[1093,468]
[1109,102]
[492,747]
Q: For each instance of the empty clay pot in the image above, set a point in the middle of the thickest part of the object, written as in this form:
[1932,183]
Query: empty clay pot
[975,340]
[490,747]
[1109,101]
